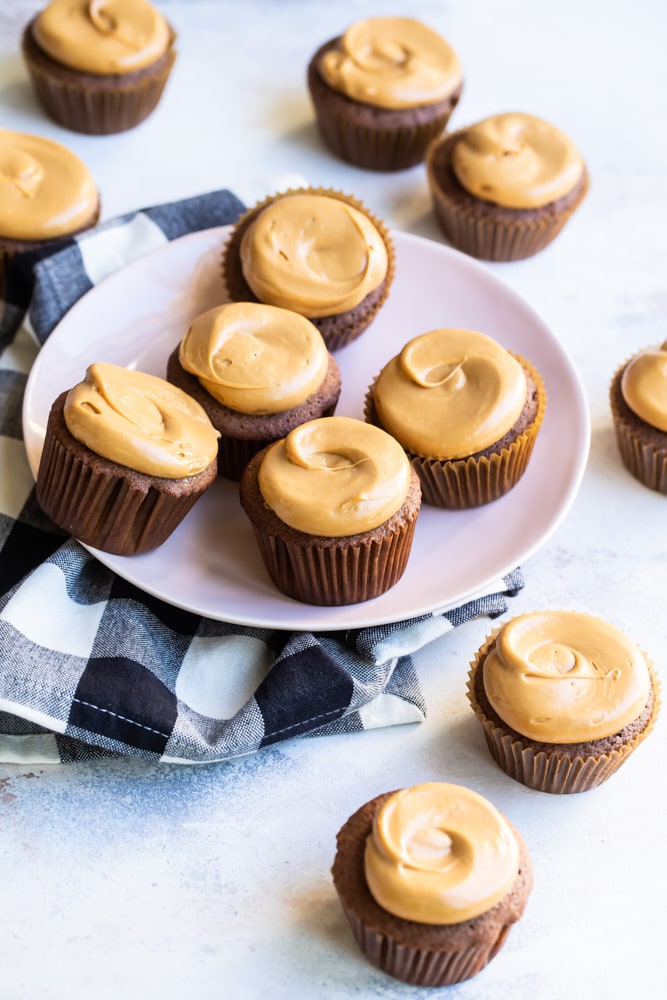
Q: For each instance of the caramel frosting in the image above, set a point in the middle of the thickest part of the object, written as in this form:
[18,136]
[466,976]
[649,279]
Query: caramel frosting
[335,476]
[102,36]
[450,393]
[45,190]
[565,677]
[140,421]
[392,62]
[313,253]
[517,161]
[439,854]
[255,358]
[644,386]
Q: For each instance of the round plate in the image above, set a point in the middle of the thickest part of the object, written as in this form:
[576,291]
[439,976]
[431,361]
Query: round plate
[210,564]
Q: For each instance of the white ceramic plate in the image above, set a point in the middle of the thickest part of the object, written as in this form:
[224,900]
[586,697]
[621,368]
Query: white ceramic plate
[210,564]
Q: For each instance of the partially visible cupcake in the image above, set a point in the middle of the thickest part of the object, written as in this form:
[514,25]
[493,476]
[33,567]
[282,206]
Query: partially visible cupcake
[431,879]
[99,67]
[504,187]
[466,410]
[316,251]
[126,455]
[47,195]
[333,507]
[383,90]
[258,371]
[638,399]
[563,697]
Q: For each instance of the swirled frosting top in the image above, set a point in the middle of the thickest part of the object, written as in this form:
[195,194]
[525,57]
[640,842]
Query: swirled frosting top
[439,854]
[565,677]
[517,161]
[335,476]
[255,358]
[102,36]
[313,253]
[450,393]
[45,190]
[392,62]
[644,386]
[140,421]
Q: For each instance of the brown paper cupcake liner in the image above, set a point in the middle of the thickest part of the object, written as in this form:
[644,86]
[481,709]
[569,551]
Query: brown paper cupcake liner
[487,231]
[94,105]
[643,449]
[547,768]
[459,484]
[339,329]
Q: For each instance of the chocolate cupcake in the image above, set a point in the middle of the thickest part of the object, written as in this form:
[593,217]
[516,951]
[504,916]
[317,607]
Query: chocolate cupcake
[504,188]
[125,457]
[258,371]
[563,697]
[47,195]
[466,410]
[316,251]
[638,399]
[333,507]
[431,879]
[383,91]
[96,67]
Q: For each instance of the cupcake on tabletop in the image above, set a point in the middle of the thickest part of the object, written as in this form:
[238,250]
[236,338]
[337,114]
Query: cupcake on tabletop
[638,399]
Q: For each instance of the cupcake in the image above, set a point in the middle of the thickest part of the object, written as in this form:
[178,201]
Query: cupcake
[383,91]
[431,879]
[638,398]
[125,457]
[466,410]
[47,195]
[99,67]
[258,371]
[317,252]
[564,698]
[504,188]
[333,507]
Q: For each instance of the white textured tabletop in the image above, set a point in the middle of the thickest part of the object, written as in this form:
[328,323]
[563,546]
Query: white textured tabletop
[129,880]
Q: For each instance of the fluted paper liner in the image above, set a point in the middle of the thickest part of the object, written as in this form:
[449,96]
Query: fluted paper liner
[459,484]
[642,455]
[338,329]
[549,768]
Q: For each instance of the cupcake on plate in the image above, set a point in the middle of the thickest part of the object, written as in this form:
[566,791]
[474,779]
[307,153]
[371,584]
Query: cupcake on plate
[466,410]
[383,90]
[47,195]
[125,457]
[317,252]
[638,399]
[431,879]
[504,187]
[333,507]
[99,67]
[564,698]
[258,371]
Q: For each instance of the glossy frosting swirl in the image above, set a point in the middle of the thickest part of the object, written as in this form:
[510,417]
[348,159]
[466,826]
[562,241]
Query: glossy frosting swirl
[517,161]
[255,358]
[450,393]
[102,36]
[392,62]
[439,854]
[644,386]
[565,677]
[335,476]
[45,190]
[313,253]
[140,421]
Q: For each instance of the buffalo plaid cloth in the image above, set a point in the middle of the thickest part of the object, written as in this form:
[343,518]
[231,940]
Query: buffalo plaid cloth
[89,665]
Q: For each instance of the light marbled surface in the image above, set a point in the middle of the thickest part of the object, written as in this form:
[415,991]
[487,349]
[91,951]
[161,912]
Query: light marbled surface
[134,880]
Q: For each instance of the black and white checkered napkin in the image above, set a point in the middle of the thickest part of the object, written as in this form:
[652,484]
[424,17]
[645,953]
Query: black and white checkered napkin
[89,665]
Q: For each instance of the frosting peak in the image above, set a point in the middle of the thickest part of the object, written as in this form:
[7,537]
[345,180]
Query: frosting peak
[644,386]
